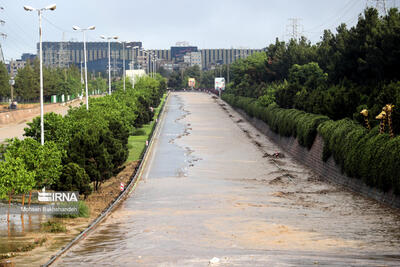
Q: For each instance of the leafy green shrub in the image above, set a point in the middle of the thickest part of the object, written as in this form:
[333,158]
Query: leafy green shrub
[363,154]
[74,178]
[53,227]
[286,122]
[83,211]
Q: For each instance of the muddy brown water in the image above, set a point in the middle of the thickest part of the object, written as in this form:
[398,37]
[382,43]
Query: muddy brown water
[211,189]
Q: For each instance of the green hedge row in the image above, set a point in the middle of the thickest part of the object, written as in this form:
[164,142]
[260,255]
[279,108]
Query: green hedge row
[362,154]
[286,122]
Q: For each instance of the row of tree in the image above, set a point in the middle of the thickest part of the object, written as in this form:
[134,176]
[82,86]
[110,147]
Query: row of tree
[83,148]
[344,73]
[56,81]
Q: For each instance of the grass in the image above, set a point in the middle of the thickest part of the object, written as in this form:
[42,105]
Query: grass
[53,227]
[83,212]
[137,142]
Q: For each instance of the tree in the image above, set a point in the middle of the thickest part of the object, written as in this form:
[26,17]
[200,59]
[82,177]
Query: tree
[44,161]
[56,129]
[15,178]
[27,83]
[74,178]
[4,81]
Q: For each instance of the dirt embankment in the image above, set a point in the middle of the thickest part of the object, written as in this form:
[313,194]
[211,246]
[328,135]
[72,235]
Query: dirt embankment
[26,112]
[47,244]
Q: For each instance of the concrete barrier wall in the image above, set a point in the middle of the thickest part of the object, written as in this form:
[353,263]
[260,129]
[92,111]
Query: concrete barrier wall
[327,170]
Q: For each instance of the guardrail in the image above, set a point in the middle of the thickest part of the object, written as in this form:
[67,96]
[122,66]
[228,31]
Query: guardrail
[131,186]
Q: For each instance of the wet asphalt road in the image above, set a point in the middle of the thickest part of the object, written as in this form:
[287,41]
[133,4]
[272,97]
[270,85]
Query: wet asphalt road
[208,191]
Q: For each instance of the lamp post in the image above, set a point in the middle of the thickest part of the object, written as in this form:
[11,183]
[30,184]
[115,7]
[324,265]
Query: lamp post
[155,66]
[83,30]
[40,11]
[123,63]
[148,61]
[133,53]
[133,63]
[109,38]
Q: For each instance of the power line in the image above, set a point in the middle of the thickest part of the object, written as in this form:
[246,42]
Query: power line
[334,17]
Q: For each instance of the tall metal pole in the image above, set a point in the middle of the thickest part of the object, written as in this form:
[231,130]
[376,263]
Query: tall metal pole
[148,63]
[123,59]
[86,79]
[81,79]
[154,65]
[109,68]
[41,79]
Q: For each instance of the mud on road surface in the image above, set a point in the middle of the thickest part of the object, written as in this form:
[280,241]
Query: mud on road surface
[212,188]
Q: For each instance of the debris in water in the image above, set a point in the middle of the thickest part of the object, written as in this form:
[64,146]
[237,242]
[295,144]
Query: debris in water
[214,260]
[278,154]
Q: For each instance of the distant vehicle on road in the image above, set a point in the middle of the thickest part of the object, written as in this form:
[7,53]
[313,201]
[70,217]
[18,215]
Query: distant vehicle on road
[13,105]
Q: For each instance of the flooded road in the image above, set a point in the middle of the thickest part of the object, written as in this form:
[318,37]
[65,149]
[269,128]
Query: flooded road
[210,189]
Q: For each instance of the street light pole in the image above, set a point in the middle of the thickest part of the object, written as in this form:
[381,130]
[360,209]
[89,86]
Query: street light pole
[109,67]
[40,11]
[76,28]
[109,59]
[123,62]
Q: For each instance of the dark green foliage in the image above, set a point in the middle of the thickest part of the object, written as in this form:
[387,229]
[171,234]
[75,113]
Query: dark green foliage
[83,211]
[352,68]
[363,154]
[53,227]
[74,178]
[4,78]
[286,122]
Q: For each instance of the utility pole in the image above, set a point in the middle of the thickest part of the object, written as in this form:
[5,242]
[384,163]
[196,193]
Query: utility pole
[294,29]
[81,80]
[2,34]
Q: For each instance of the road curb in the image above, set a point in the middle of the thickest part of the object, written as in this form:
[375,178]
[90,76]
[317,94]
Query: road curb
[129,188]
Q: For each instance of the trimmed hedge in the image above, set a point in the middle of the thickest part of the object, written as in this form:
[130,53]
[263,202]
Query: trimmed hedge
[286,122]
[362,154]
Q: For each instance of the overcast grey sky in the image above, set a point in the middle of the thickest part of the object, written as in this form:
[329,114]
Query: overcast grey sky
[162,23]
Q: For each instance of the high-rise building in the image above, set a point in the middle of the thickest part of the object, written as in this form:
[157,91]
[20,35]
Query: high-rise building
[60,54]
[56,54]
[213,57]
[14,66]
[178,52]
[193,59]
[27,56]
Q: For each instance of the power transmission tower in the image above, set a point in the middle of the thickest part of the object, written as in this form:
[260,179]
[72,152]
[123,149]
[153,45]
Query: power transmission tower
[380,5]
[294,29]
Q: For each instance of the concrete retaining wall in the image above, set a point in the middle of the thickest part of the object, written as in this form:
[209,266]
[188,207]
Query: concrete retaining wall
[327,170]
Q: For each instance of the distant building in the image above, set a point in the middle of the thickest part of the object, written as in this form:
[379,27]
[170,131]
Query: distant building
[193,59]
[27,56]
[62,54]
[178,52]
[14,66]
[212,57]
